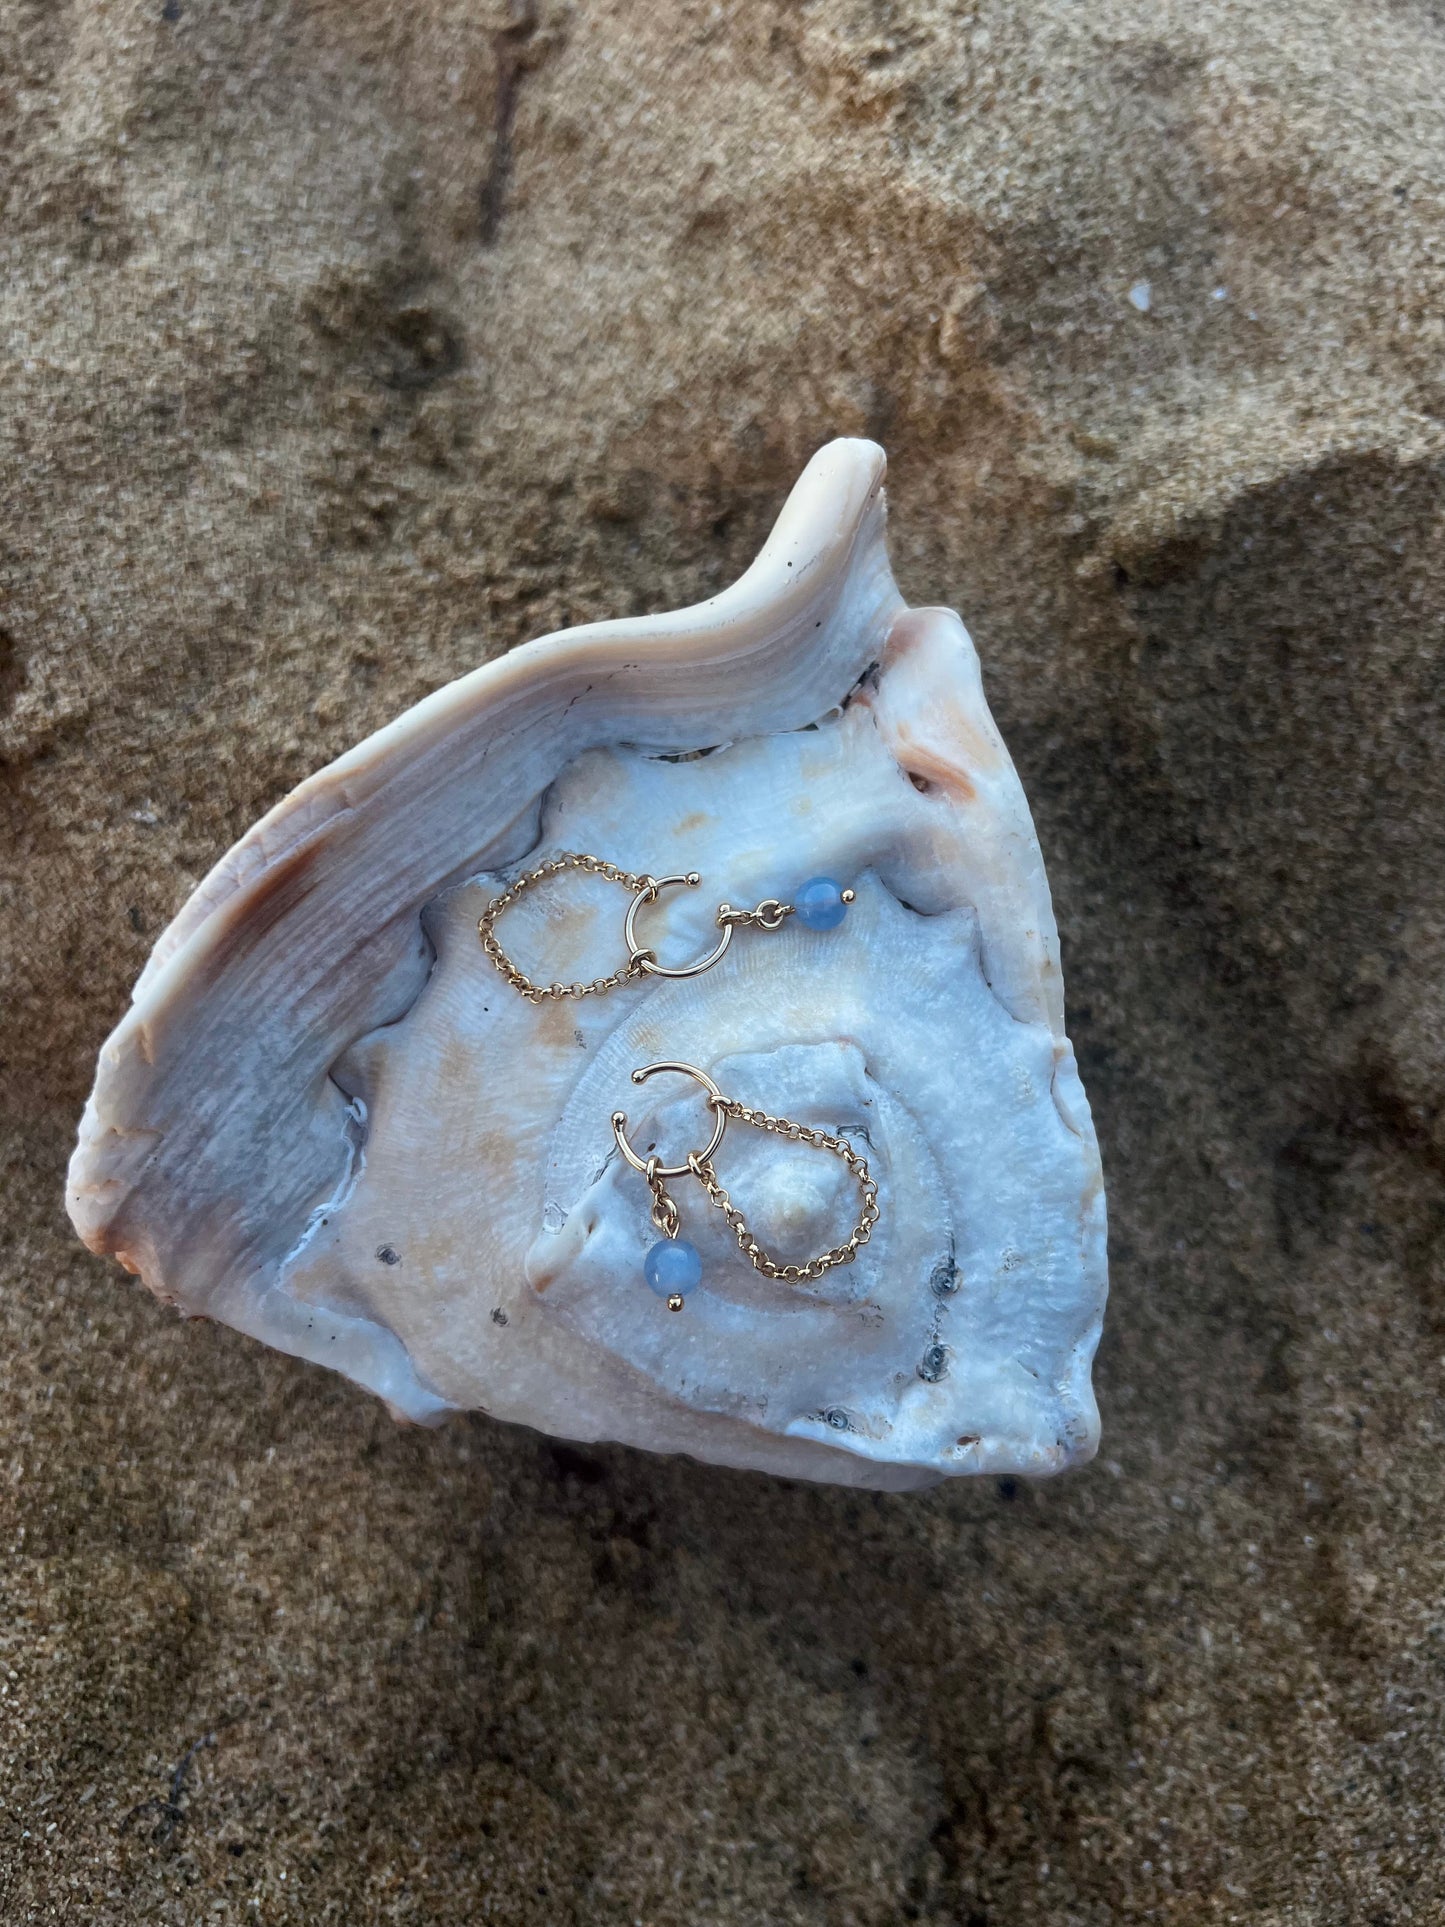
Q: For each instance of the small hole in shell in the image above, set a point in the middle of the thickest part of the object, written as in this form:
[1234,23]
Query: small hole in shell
[920,783]
[934,1364]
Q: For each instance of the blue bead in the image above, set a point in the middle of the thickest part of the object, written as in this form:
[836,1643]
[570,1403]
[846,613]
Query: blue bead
[673,1265]
[819,903]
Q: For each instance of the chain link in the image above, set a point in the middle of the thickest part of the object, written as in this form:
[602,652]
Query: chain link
[519,980]
[843,1254]
[768,915]
[665,1215]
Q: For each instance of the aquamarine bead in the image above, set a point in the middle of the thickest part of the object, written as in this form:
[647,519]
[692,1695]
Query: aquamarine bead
[673,1265]
[819,904]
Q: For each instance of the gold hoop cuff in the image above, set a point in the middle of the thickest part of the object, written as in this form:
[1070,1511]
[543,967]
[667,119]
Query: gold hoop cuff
[647,959]
[715,1101]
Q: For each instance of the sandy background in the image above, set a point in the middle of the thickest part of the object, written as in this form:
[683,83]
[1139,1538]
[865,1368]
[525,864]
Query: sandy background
[346,344]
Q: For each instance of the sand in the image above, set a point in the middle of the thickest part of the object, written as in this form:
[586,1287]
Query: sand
[347,344]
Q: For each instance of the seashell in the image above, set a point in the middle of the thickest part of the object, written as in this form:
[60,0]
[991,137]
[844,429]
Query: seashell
[330,1122]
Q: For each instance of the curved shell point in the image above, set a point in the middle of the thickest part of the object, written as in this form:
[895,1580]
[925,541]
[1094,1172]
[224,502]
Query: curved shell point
[329,1122]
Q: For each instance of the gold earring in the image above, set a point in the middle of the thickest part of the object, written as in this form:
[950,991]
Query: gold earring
[673,1266]
[820,904]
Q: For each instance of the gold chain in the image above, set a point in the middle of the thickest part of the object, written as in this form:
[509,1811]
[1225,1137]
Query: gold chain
[843,1254]
[538,993]
[770,914]
[665,1215]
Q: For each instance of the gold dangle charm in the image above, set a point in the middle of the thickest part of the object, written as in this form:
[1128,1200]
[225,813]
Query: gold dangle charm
[673,1266]
[820,904]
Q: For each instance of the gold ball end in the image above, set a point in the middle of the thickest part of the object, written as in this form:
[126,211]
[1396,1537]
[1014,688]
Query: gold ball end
[850,896]
[637,1077]
[674,1302]
[694,878]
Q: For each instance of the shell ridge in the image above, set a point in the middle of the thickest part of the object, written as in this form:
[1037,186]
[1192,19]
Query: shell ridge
[512,670]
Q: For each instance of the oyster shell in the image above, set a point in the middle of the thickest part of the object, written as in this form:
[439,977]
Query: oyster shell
[329,1122]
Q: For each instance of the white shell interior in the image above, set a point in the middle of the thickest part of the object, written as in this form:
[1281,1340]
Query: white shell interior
[330,1121]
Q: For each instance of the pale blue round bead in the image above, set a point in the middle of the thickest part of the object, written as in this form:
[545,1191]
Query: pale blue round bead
[819,903]
[673,1265]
